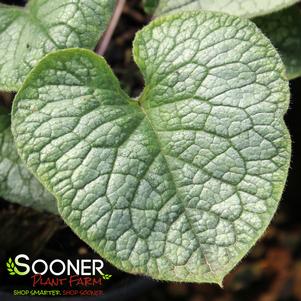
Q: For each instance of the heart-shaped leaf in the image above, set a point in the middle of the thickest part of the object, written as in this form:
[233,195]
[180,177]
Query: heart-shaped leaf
[245,8]
[284,30]
[17,184]
[180,183]
[27,34]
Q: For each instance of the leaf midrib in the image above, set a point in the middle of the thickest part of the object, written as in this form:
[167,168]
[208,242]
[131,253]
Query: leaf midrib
[158,140]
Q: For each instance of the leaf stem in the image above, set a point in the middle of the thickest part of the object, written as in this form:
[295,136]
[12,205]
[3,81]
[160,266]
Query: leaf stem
[105,40]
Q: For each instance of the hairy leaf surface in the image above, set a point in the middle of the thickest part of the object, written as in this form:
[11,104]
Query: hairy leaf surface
[284,30]
[245,8]
[181,183]
[27,34]
[17,184]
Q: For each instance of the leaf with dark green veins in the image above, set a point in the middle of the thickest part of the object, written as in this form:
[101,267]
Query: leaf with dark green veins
[181,183]
[284,30]
[17,184]
[244,8]
[27,34]
[150,5]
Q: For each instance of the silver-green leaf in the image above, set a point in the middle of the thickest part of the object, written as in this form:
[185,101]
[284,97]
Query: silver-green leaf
[27,34]
[178,184]
[284,30]
[244,8]
[17,184]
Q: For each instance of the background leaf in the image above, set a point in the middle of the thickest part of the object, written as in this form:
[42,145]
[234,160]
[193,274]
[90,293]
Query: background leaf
[150,5]
[17,184]
[244,8]
[26,35]
[180,184]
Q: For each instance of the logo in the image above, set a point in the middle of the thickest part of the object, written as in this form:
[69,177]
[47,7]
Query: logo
[57,267]
[69,277]
[12,269]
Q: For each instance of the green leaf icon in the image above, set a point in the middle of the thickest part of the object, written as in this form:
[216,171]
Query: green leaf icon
[106,276]
[10,267]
